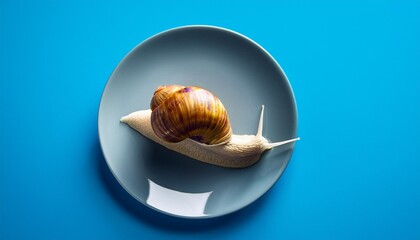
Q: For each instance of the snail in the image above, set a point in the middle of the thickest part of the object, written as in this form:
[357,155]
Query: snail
[192,121]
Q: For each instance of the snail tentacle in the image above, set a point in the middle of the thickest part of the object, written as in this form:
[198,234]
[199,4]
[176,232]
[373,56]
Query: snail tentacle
[260,130]
[260,123]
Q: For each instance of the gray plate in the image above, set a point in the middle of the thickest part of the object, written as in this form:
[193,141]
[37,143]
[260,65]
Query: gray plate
[242,74]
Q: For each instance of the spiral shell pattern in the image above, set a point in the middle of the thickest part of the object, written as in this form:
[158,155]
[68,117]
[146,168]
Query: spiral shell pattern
[162,93]
[189,112]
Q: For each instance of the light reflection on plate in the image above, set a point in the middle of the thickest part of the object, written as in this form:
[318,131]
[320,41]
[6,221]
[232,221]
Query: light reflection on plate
[176,202]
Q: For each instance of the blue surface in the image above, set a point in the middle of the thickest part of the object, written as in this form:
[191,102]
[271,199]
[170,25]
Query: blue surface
[354,68]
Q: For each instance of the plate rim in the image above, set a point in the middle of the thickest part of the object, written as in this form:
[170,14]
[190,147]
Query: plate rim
[129,53]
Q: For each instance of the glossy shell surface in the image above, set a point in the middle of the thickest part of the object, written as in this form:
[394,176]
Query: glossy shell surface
[189,112]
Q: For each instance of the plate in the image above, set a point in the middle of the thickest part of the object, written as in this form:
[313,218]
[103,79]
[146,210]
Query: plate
[236,69]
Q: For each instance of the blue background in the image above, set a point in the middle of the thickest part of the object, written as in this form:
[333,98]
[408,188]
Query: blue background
[354,67]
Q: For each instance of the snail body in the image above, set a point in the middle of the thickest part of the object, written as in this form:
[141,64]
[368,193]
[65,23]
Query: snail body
[193,122]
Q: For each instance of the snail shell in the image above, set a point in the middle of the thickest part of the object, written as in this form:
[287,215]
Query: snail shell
[193,122]
[189,112]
